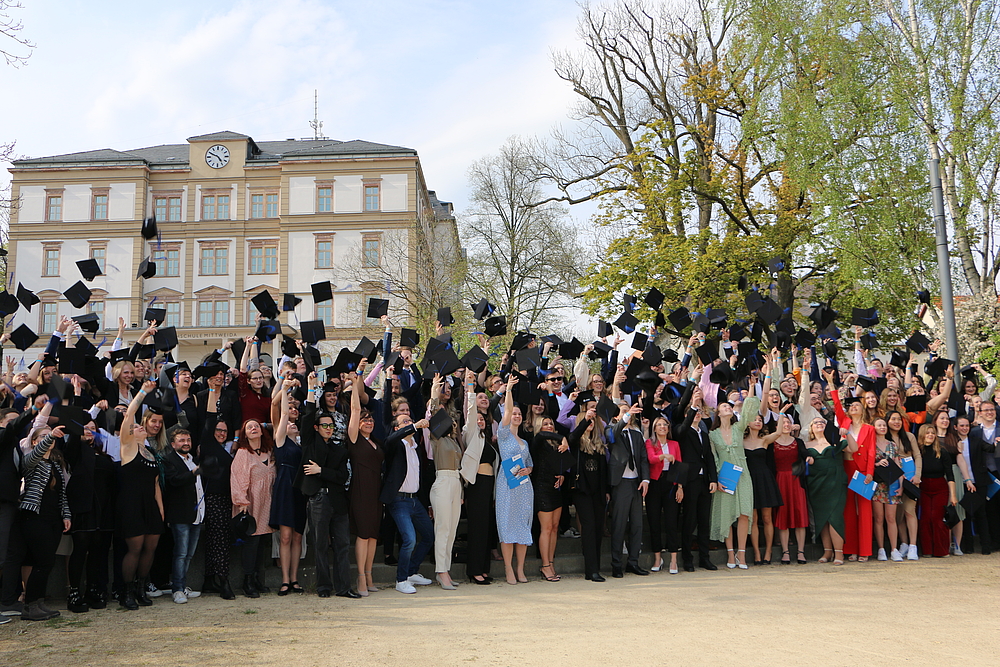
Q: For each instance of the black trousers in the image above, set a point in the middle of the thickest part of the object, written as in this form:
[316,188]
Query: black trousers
[478,510]
[626,521]
[330,527]
[33,541]
[696,514]
[663,514]
[993,520]
[980,522]
[90,554]
[590,509]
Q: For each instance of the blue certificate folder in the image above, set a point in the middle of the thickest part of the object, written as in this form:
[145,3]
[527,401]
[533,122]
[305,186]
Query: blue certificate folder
[729,477]
[858,486]
[993,488]
[510,468]
[909,467]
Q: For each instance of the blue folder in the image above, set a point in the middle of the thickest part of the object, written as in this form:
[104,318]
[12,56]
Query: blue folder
[729,477]
[858,486]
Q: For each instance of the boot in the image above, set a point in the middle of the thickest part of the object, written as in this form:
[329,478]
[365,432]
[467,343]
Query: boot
[96,598]
[75,602]
[259,580]
[45,608]
[225,590]
[210,584]
[126,597]
[139,591]
[250,586]
[35,611]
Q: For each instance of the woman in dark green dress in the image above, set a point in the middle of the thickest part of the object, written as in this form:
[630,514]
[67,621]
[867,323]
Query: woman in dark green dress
[827,487]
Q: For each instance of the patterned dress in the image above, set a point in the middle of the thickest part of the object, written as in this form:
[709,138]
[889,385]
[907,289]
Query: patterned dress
[252,477]
[881,489]
[515,507]
[726,508]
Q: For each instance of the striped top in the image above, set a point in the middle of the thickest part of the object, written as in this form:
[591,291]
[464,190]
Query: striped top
[37,473]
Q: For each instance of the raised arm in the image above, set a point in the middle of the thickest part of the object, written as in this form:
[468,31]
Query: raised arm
[245,359]
[508,405]
[934,404]
[281,430]
[354,425]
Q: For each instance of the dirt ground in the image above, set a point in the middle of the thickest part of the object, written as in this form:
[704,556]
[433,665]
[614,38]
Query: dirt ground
[931,612]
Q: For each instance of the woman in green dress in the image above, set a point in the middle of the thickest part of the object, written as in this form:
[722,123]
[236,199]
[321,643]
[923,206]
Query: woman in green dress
[827,487]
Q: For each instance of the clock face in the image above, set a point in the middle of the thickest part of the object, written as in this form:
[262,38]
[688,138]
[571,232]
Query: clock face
[217,156]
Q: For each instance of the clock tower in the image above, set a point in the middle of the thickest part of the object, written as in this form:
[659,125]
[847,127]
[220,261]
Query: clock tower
[220,154]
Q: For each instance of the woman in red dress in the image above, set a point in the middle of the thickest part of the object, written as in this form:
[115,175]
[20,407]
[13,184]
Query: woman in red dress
[793,514]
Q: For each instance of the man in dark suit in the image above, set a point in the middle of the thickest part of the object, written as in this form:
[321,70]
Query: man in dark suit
[979,446]
[183,509]
[628,472]
[700,484]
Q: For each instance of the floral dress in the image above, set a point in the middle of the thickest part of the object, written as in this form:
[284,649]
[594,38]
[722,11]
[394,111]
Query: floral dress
[882,489]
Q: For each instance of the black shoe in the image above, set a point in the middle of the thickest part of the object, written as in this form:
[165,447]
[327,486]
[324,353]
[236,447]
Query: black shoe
[210,584]
[688,567]
[488,578]
[75,603]
[617,573]
[225,590]
[261,587]
[140,594]
[323,593]
[480,582]
[126,598]
[635,569]
[350,595]
[250,586]
[596,576]
[97,598]
[391,560]
[707,565]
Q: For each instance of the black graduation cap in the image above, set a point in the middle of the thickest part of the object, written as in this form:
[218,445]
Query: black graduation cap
[775,265]
[830,348]
[57,386]
[876,385]
[149,351]
[311,357]
[483,309]
[444,316]
[584,397]
[670,355]
[165,339]
[639,341]
[446,361]
[971,501]
[148,230]
[868,341]
[628,300]
[409,338]
[864,317]
[937,367]
[155,315]
[26,297]
[289,301]
[831,331]
[289,347]
[600,350]
[701,323]
[652,355]
[78,295]
[527,393]
[781,339]
[769,311]
[804,338]
[924,296]
[899,359]
[677,472]
[496,326]
[660,321]
[722,373]
[441,423]
[951,518]
[89,322]
[969,373]
[887,474]
[313,331]
[266,305]
[268,330]
[707,353]
[527,358]
[209,369]
[823,316]
[680,318]
[322,291]
[475,359]
[850,400]
[654,298]
[572,349]
[346,362]
[436,344]
[377,307]
[147,269]
[918,342]
[754,300]
[553,338]
[911,490]
[603,329]
[119,355]
[394,361]
[737,331]
[23,337]
[521,339]
[73,418]
[366,348]
[71,360]
[916,403]
[89,269]
[716,317]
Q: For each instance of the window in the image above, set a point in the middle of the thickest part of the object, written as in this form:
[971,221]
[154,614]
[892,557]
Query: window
[50,316]
[256,206]
[264,205]
[272,205]
[167,207]
[371,251]
[53,207]
[324,252]
[371,197]
[99,207]
[215,207]
[324,202]
[213,313]
[324,312]
[263,257]
[214,259]
[173,313]
[97,308]
[99,251]
[168,259]
[50,254]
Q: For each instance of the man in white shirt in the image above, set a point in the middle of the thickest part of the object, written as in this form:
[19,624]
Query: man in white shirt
[183,508]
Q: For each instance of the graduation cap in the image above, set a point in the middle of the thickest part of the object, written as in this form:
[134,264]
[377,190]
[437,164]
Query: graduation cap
[89,269]
[868,341]
[346,362]
[521,340]
[572,349]
[737,331]
[377,307]
[483,309]
[628,301]
[899,359]
[26,297]
[830,348]
[475,359]
[823,316]
[366,348]
[165,339]
[147,269]
[887,474]
[313,331]
[289,301]
[781,339]
[441,423]
[670,355]
[753,300]
[436,344]
[496,326]
[775,265]
[71,360]
[89,322]
[528,358]
[722,373]
[769,312]
[155,315]
[850,400]
[603,329]
[652,355]
[148,230]
[937,367]
[527,392]
[951,518]
[831,331]
[924,296]
[654,298]
[647,379]
[8,303]
[707,353]
[73,418]
[409,338]
[209,369]
[266,305]
[394,361]
[972,502]
[600,350]
[553,338]
[716,318]
[23,337]
[311,357]
[680,318]
[289,347]
[446,361]
[864,317]
[969,373]
[444,316]
[119,355]
[268,330]
[916,403]
[876,385]
[804,338]
[584,397]
[911,490]
[78,295]
[659,321]
[677,472]
[322,291]
[918,342]
[639,341]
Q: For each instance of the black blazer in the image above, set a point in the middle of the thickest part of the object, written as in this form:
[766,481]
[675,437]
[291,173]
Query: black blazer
[180,493]
[395,466]
[980,453]
[624,438]
[331,458]
[696,450]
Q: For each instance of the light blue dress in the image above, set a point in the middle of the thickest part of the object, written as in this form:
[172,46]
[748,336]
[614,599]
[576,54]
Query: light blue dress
[514,506]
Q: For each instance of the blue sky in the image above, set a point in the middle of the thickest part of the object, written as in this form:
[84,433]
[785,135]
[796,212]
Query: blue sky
[451,79]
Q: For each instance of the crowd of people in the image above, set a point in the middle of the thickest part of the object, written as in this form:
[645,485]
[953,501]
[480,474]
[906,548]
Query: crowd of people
[140,460]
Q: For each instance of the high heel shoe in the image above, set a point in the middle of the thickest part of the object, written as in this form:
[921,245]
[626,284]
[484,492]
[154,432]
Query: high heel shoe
[801,558]
[838,561]
[731,566]
[785,560]
[554,577]
[372,588]
[448,587]
[740,564]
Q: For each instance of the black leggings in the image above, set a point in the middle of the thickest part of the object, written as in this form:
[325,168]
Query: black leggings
[478,511]
[90,551]
[591,509]
[663,511]
[35,544]
[251,552]
[139,556]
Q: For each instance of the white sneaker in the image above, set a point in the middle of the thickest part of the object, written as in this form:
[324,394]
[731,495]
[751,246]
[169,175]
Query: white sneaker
[957,550]
[896,556]
[179,597]
[911,554]
[571,533]
[419,580]
[881,554]
[191,594]
[152,591]
[405,587]
[904,547]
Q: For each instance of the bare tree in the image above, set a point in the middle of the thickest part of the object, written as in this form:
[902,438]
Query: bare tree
[10,28]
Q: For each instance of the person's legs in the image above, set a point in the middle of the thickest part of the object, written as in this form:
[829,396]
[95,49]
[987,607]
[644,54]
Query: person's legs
[589,531]
[767,518]
[425,529]
[320,512]
[285,554]
[478,505]
[401,516]
[520,553]
[77,561]
[185,542]
[755,534]
[340,531]
[864,534]
[879,517]
[634,524]
[890,520]
[654,514]
[42,536]
[621,505]
[851,546]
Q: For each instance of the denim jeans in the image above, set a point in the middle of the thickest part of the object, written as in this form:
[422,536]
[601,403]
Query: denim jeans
[185,542]
[411,518]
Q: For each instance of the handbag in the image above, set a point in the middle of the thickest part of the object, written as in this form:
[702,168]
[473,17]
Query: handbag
[243,525]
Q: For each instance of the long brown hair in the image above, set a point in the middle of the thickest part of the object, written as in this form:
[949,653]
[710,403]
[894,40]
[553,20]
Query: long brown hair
[592,440]
[902,436]
[951,438]
[921,437]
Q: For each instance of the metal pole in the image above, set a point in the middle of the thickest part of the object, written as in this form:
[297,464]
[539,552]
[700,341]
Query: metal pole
[944,262]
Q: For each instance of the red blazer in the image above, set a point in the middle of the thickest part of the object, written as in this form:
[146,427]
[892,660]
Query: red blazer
[653,451]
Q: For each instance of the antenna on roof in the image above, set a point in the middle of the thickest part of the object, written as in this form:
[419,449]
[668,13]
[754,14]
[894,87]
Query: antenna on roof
[316,124]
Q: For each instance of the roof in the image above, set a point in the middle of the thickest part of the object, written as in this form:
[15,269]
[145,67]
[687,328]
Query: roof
[265,151]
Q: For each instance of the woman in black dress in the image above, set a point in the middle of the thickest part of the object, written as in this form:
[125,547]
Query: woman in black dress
[547,478]
[288,505]
[766,495]
[366,459]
